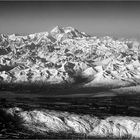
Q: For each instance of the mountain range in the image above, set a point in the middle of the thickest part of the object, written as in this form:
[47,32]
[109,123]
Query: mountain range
[67,56]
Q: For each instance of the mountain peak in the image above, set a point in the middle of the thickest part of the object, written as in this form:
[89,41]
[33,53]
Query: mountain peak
[57,30]
[66,32]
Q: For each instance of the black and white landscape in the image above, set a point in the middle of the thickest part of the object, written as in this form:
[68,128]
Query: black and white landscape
[65,83]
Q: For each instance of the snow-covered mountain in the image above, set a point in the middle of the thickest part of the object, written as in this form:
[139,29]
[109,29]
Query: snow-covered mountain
[63,54]
[46,122]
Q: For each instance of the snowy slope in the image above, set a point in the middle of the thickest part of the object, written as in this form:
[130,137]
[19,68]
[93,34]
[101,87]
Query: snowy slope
[63,54]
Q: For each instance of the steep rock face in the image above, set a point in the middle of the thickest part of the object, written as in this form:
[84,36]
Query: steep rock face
[61,55]
[45,122]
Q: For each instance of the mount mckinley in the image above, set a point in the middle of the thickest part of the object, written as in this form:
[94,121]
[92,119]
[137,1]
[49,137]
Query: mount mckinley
[64,54]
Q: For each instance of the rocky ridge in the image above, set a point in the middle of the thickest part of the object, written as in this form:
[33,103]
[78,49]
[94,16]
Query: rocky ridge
[63,54]
[44,122]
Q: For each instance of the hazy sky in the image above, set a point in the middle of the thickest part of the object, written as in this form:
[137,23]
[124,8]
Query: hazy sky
[105,18]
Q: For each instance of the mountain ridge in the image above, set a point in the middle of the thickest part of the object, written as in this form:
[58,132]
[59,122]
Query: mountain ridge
[64,54]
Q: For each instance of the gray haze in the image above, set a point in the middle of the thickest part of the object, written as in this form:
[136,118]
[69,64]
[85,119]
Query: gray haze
[97,18]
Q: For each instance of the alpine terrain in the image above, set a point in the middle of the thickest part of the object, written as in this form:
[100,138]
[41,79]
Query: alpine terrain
[64,54]
[69,64]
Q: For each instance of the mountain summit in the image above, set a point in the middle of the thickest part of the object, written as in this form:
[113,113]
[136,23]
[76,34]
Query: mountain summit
[65,55]
[61,33]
